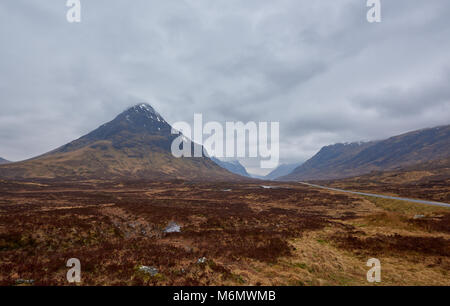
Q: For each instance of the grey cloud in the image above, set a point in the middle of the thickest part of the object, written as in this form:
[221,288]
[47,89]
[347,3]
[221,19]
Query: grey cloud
[395,102]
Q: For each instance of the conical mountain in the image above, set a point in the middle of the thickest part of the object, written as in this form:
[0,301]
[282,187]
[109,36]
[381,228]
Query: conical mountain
[135,145]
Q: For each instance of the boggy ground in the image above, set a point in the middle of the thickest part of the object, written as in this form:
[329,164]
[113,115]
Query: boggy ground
[249,235]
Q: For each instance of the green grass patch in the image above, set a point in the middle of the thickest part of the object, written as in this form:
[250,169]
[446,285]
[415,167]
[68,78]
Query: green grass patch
[406,207]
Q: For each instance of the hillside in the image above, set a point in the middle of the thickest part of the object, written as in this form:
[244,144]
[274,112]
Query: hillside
[347,160]
[4,161]
[281,170]
[135,145]
[232,166]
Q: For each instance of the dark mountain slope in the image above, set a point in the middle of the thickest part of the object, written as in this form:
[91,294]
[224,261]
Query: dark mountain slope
[233,166]
[346,160]
[281,170]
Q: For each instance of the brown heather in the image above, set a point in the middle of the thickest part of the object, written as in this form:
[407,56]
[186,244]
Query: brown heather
[294,235]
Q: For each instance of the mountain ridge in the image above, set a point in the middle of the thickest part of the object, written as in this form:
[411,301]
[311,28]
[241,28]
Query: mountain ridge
[347,160]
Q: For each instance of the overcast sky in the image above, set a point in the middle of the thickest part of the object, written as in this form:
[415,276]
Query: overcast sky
[318,67]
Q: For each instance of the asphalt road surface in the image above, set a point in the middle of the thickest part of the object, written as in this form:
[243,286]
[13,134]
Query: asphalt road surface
[380,196]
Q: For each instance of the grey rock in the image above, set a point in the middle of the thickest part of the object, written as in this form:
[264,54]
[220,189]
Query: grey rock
[418,217]
[172,228]
[201,260]
[149,270]
[25,281]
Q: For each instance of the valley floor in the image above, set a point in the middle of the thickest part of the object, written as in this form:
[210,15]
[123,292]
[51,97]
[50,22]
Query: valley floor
[426,184]
[231,234]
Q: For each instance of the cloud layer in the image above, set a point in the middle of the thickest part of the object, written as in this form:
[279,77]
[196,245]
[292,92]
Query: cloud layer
[317,67]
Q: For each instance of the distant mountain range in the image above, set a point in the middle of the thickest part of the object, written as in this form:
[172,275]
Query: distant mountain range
[236,167]
[281,170]
[233,166]
[4,161]
[135,145]
[353,159]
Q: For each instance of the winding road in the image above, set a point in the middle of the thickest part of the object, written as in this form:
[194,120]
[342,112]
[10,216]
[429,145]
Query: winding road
[380,196]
